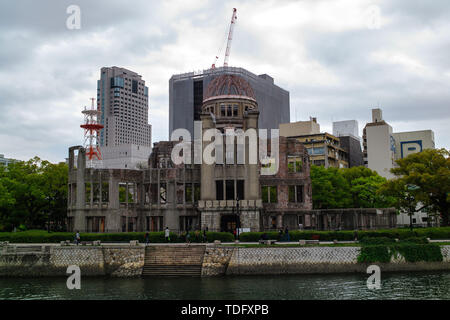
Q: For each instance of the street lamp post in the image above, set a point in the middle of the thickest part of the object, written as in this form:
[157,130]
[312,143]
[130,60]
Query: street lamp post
[411,187]
[238,217]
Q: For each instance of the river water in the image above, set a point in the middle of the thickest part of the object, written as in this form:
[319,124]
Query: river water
[421,285]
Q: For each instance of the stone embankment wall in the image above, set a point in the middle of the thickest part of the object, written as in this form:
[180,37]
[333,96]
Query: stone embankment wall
[128,261]
[123,261]
[261,261]
[294,260]
[216,260]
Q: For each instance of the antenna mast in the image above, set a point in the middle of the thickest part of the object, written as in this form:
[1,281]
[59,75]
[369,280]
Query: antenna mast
[92,129]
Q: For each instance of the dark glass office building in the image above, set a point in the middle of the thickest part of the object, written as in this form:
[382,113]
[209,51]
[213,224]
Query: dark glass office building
[186,96]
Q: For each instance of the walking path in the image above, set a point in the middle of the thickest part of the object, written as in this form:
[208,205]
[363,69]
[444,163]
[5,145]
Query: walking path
[280,243]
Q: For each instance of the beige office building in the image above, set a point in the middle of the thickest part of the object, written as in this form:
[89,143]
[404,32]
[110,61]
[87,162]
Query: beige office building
[323,148]
[410,142]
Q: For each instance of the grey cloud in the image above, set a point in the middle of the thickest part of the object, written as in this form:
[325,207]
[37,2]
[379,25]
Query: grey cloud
[47,72]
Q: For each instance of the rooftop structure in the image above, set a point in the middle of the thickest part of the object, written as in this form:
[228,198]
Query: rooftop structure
[299,128]
[5,161]
[346,128]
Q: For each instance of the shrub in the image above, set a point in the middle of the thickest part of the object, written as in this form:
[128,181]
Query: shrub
[417,236]
[417,240]
[375,253]
[432,233]
[413,252]
[376,240]
[255,236]
[41,236]
[300,235]
[393,234]
[222,236]
[347,235]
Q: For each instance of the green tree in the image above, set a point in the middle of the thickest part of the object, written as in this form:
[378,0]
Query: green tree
[405,196]
[357,172]
[36,191]
[347,188]
[365,195]
[429,172]
[364,184]
[54,185]
[329,188]
[23,180]
[6,202]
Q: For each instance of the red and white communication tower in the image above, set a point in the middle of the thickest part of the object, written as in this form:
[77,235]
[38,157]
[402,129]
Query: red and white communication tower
[91,132]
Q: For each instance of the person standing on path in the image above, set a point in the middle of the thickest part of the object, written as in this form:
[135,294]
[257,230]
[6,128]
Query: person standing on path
[147,238]
[280,235]
[188,238]
[286,231]
[77,237]
[167,234]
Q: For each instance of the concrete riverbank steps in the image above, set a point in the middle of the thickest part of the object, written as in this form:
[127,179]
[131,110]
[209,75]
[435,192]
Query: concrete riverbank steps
[176,260]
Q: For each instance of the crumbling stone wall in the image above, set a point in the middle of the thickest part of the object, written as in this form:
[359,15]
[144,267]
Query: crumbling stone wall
[216,260]
[124,262]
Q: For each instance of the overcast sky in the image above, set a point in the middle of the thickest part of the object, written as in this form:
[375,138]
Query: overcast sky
[338,59]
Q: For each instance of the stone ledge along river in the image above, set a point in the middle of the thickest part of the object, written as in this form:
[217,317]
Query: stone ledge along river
[395,285]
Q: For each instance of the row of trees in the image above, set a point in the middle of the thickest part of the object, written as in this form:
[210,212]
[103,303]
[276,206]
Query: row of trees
[422,182]
[32,194]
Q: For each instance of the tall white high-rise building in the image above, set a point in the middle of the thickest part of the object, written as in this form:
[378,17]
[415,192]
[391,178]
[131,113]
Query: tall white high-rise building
[123,99]
[379,145]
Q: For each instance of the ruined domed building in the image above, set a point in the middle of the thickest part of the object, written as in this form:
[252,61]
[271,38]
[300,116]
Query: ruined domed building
[221,188]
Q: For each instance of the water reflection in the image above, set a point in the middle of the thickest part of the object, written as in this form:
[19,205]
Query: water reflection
[435,285]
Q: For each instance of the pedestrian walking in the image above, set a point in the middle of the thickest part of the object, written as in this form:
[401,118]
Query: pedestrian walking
[77,237]
[197,236]
[205,238]
[147,238]
[167,234]
[286,231]
[280,235]
[188,238]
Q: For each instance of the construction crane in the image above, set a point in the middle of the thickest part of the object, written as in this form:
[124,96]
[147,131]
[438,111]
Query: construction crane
[230,37]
